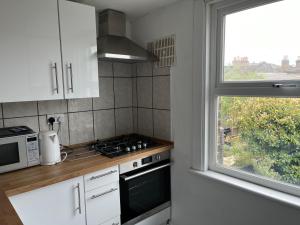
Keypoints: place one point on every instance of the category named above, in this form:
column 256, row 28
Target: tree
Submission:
column 269, row 127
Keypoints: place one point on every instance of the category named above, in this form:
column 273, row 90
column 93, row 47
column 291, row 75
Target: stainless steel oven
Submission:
column 144, row 187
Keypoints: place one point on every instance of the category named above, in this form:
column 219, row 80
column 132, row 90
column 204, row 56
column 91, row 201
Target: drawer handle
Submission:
column 103, row 175
column 115, row 224
column 104, row 193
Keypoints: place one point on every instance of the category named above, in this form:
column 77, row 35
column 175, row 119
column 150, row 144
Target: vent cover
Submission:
column 164, row 49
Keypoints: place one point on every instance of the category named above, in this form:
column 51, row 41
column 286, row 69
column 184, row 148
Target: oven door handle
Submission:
column 126, row 178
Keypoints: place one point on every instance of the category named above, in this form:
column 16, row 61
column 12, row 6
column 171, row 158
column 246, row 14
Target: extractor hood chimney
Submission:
column 112, row 43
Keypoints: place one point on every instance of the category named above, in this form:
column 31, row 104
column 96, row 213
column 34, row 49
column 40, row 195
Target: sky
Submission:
column 266, row 33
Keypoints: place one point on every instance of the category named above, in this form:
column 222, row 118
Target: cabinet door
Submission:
column 102, row 204
column 114, row 221
column 29, row 50
column 59, row 204
column 79, row 49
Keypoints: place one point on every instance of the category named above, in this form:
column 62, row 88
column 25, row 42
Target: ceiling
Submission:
column 133, row 8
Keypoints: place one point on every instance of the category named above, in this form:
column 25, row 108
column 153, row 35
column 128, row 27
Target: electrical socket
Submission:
column 59, row 118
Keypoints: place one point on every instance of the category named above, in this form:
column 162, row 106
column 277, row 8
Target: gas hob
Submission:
column 123, row 145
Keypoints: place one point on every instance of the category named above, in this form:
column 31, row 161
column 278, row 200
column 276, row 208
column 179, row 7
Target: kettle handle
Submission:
column 65, row 156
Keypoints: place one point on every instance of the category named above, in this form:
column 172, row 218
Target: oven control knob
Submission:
column 157, row 157
column 135, row 164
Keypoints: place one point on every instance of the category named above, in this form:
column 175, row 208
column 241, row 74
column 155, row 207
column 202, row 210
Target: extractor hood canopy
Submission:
column 112, row 43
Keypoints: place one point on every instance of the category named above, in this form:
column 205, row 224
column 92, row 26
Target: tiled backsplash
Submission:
column 152, row 107
column 133, row 98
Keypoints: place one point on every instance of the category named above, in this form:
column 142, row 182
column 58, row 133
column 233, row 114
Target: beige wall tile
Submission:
column 145, row 122
column 63, row 131
column 104, row 124
column 123, row 92
column 135, row 120
column 161, row 71
column 81, row 127
column 19, row 109
column 122, row 70
column 106, row 99
column 105, row 69
column 134, row 69
column 50, row 107
column 82, row 104
column 144, row 69
column 162, row 124
column 134, row 92
column 144, row 92
column 124, row 121
column 31, row 122
column 161, row 92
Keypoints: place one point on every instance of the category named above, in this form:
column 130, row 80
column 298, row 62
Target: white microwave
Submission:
column 19, row 148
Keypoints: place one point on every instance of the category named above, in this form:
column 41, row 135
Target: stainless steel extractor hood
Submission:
column 112, row 43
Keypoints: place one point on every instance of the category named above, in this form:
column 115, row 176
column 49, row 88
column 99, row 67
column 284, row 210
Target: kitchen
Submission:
column 152, row 99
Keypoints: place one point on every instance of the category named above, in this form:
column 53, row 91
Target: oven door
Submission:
column 144, row 192
column 13, row 153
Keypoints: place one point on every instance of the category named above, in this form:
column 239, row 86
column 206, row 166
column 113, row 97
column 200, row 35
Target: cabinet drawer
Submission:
column 114, row 221
column 102, row 204
column 101, row 178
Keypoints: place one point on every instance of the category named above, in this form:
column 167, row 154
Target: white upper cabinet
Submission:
column 79, row 49
column 31, row 56
column 29, row 51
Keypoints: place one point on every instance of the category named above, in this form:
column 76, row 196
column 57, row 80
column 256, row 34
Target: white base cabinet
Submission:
column 102, row 204
column 93, row 199
column 58, row 204
column 102, row 196
column 114, row 221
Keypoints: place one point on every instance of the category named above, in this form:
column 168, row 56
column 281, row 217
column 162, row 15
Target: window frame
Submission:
column 215, row 22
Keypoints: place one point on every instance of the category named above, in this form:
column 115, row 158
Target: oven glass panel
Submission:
column 9, row 154
column 144, row 193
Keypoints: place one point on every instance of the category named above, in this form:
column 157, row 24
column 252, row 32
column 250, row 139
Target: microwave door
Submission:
column 13, row 153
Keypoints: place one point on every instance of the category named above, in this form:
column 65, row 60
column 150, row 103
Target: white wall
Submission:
column 197, row 200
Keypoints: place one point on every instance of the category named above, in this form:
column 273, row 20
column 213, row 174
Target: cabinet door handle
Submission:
column 54, row 66
column 115, row 224
column 104, row 193
column 103, row 175
column 70, row 68
column 79, row 199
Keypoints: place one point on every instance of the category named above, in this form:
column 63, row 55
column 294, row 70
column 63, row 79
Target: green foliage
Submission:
column 269, row 135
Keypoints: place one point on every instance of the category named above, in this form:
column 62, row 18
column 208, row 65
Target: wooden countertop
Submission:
column 28, row 179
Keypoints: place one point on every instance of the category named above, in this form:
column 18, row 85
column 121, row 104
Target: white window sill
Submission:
column 250, row 187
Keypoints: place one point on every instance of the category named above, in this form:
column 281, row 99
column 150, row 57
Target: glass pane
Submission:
column 262, row 43
column 9, row 154
column 260, row 135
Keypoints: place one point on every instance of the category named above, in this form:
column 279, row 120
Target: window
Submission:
column 254, row 94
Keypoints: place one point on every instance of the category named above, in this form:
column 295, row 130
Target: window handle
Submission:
column 283, row 85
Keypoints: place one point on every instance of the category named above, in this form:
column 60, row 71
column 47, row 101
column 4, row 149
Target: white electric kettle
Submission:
column 50, row 148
